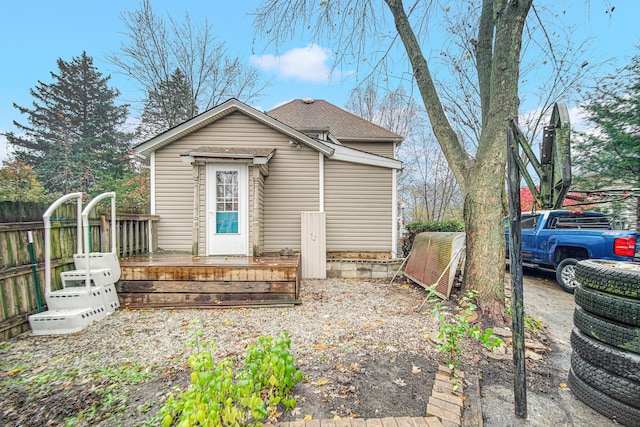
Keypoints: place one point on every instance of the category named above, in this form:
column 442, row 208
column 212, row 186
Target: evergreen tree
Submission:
column 610, row 154
column 612, row 150
column 73, row 137
column 168, row 106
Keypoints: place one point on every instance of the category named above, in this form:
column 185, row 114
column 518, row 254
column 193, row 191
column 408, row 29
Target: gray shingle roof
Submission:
column 308, row 115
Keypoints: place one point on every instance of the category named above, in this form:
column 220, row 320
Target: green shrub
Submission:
column 417, row 227
column 218, row 397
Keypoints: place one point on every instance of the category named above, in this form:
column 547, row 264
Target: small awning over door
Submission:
column 255, row 155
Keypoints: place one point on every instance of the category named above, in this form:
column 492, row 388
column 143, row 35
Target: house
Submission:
column 235, row 181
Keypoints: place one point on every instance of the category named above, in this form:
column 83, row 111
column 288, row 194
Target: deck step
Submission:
column 58, row 322
column 98, row 277
column 75, row 298
column 98, row 261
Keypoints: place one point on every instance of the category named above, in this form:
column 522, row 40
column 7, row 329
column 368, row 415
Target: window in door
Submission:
column 227, row 202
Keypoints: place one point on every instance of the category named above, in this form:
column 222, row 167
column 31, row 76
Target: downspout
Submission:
column 394, row 214
column 152, row 197
column 321, row 181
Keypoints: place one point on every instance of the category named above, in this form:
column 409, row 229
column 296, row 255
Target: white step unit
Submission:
column 88, row 292
column 104, row 271
column 59, row 322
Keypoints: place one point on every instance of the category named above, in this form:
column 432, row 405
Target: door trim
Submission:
column 240, row 241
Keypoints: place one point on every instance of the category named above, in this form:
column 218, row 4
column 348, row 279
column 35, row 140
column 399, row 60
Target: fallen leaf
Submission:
column 337, row 417
column 319, row 346
column 353, row 415
column 308, row 417
column 322, row 382
column 14, row 371
column 415, row 370
column 563, row 385
column 400, row 382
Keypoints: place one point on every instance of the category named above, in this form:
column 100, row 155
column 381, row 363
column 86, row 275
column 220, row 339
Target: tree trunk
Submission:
column 485, row 263
column 482, row 178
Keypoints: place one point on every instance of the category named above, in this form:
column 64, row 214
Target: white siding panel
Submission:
column 358, row 203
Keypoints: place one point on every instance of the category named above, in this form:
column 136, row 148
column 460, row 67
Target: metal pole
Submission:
column 515, row 257
column 36, row 282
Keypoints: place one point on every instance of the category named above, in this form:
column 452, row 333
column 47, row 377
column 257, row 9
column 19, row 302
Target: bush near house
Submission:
column 417, row 227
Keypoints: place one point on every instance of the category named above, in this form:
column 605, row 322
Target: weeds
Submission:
column 454, row 328
column 218, row 397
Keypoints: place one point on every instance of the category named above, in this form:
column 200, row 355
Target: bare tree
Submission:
column 155, row 50
column 351, row 24
column 426, row 184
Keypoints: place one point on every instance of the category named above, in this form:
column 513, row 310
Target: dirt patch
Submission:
column 360, row 344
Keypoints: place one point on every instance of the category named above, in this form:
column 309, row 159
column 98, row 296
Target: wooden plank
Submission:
column 297, row 423
column 343, row 422
column 442, row 413
column 374, row 422
column 420, row 422
column 434, row 422
column 472, row 416
column 327, row 423
column 203, row 298
column 445, row 387
column 163, row 286
column 151, row 301
column 358, row 422
column 389, row 422
column 313, row 423
column 404, row 422
column 447, row 423
column 447, row 406
column 448, row 397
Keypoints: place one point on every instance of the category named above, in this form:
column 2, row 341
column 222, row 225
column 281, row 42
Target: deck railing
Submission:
column 135, row 234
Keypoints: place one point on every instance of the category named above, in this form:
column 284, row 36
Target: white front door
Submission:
column 227, row 215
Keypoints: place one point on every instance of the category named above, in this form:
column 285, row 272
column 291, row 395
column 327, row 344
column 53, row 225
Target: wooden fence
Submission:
column 20, row 275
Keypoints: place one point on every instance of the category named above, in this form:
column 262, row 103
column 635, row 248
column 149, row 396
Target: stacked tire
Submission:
column 605, row 361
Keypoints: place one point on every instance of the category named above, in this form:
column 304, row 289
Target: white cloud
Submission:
column 578, row 119
column 308, row 64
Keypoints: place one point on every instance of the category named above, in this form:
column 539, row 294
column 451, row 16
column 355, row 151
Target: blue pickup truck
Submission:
column 558, row 239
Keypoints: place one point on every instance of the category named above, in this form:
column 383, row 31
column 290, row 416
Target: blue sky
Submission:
column 34, row 33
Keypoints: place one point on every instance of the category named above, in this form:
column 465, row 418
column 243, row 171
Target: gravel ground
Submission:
column 369, row 326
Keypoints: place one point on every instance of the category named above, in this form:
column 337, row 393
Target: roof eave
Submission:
column 218, row 112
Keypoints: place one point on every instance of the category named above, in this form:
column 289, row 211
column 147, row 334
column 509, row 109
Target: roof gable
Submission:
column 319, row 115
column 327, row 148
column 218, row 112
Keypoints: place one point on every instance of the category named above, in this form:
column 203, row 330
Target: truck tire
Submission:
column 605, row 277
column 566, row 274
column 615, row 334
column 607, row 406
column 621, row 389
column 614, row 360
column 616, row 308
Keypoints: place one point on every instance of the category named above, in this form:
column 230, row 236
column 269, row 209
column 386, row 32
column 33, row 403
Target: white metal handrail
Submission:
column 46, row 217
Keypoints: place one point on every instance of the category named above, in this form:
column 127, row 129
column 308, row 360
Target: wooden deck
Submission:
column 184, row 281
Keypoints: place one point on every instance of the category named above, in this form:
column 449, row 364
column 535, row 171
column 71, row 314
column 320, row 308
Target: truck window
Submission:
column 528, row 222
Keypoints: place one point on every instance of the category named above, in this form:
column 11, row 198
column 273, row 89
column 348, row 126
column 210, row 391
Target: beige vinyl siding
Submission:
column 291, row 187
column 358, row 204
column 174, row 199
column 379, row 148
